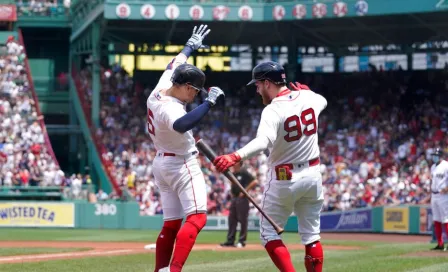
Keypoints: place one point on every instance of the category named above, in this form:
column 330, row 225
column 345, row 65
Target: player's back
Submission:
column 162, row 112
column 297, row 113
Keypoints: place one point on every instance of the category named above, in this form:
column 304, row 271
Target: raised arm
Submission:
column 191, row 119
column 194, row 43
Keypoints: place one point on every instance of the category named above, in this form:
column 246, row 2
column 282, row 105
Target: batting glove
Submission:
column 198, row 37
column 213, row 94
column 224, row 162
column 297, row 86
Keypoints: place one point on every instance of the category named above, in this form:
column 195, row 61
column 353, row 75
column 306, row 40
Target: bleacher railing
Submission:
column 43, row 192
column 86, row 107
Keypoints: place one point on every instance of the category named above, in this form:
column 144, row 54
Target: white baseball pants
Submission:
column 181, row 184
column 439, row 206
column 302, row 194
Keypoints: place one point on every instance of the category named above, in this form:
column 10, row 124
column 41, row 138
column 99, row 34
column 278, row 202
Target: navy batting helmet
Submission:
column 189, row 74
column 269, row 70
column 437, row 151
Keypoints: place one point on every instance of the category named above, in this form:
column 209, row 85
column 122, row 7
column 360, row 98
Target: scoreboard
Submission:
column 311, row 59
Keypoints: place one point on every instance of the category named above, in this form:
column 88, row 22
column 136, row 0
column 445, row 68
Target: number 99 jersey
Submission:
column 290, row 123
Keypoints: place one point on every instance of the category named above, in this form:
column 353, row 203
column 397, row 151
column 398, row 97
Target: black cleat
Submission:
column 439, row 247
column 228, row 244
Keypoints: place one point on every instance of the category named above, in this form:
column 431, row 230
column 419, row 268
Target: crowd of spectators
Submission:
column 375, row 136
column 43, row 7
column 25, row 158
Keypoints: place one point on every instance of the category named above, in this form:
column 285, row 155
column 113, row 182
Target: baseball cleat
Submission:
column 439, row 247
column 228, row 244
column 165, row 269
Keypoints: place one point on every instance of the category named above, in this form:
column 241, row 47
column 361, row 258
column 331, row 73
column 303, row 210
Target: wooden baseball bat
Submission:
column 211, row 155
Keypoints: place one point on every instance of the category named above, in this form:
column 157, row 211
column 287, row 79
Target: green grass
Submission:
column 373, row 257
column 376, row 258
column 14, row 251
column 108, row 235
column 206, row 237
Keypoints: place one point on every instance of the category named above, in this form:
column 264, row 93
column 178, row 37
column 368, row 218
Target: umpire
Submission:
column 239, row 207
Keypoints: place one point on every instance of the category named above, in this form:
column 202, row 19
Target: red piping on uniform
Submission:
column 288, row 100
column 191, row 180
column 264, row 201
column 284, row 92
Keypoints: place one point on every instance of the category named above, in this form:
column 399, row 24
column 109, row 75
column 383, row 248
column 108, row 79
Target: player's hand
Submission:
column 297, row 86
column 241, row 195
column 213, row 94
column 198, row 37
column 224, row 162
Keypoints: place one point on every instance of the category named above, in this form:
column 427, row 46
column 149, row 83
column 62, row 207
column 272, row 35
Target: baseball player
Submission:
column 439, row 196
column 288, row 127
column 175, row 167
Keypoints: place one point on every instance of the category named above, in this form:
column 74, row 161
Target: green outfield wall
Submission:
column 126, row 215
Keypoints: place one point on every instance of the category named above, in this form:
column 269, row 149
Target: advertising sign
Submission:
column 24, row 214
column 357, row 220
column 396, row 219
column 8, row 13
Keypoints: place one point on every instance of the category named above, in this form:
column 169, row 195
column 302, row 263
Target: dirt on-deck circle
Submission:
column 126, row 248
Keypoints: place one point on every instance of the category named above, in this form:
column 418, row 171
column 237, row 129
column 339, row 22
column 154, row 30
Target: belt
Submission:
column 311, row 162
column 283, row 171
column 167, row 154
column 435, row 192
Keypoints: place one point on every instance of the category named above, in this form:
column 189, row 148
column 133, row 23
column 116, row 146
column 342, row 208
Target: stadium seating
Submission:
column 49, row 8
column 29, row 168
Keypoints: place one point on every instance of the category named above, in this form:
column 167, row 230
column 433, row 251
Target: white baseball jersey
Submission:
column 179, row 178
column 163, row 111
column 439, row 176
column 290, row 123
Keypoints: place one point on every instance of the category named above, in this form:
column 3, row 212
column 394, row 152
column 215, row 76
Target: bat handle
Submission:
column 279, row 230
column 211, row 155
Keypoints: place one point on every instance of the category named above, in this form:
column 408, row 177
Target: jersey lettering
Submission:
column 150, row 124
column 311, row 121
column 293, row 127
